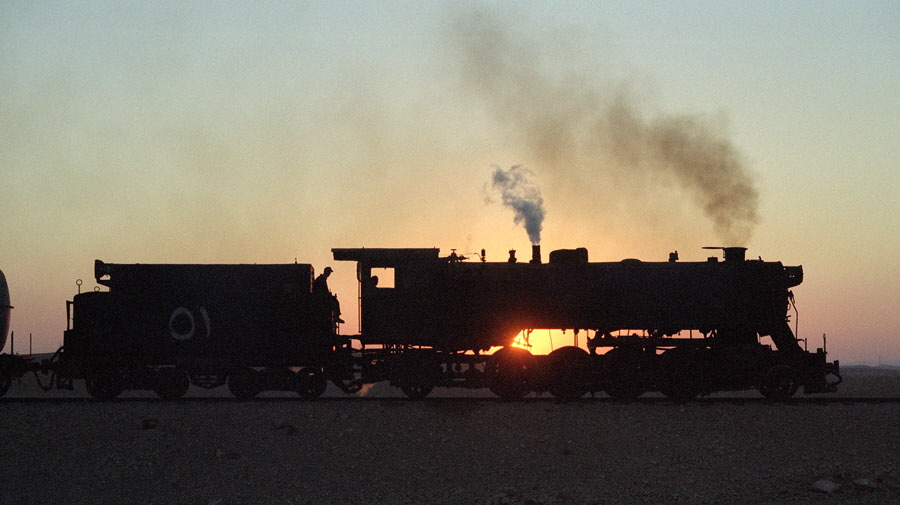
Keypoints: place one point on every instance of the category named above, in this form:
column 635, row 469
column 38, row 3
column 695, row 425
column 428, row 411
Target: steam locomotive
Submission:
column 681, row 328
column 432, row 325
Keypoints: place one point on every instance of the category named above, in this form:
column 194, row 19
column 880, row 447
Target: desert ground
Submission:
column 453, row 448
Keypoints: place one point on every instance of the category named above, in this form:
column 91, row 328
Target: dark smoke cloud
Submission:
column 519, row 192
column 587, row 132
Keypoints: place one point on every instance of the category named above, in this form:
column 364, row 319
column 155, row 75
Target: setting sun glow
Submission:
column 521, row 340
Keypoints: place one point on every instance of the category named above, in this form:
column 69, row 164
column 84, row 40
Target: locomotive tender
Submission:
column 164, row 327
column 432, row 320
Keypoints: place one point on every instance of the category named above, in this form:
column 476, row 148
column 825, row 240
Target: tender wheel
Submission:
column 569, row 372
column 510, row 372
column 778, row 383
column 626, row 373
column 244, row 383
column 173, row 383
column 416, row 391
column 5, row 381
column 311, row 383
column 104, row 383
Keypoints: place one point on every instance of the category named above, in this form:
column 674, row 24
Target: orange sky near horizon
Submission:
column 231, row 132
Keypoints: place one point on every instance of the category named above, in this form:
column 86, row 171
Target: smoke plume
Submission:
column 585, row 132
column 519, row 192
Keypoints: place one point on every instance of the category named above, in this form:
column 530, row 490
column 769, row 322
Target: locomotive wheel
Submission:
column 417, row 373
column 311, row 383
column 244, row 383
column 5, row 381
column 510, row 372
column 173, row 383
column 682, row 375
column 778, row 383
column 626, row 370
column 569, row 369
column 104, row 383
column 683, row 383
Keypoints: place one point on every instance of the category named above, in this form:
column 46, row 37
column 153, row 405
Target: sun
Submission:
column 521, row 340
column 544, row 341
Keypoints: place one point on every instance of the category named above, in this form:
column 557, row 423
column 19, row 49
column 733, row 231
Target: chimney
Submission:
column 536, row 254
column 734, row 254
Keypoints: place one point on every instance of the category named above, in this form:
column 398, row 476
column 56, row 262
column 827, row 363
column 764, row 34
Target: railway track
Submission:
column 468, row 400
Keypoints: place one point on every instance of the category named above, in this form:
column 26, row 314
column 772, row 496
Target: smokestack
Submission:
column 536, row 254
column 734, row 254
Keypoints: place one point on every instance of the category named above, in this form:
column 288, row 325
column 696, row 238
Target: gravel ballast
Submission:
column 452, row 450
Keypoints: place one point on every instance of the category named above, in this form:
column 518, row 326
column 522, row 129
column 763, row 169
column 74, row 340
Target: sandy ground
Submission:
column 479, row 450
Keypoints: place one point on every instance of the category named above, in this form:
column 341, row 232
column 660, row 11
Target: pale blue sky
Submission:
column 268, row 131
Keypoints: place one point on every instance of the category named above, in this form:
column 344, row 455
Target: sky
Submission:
column 269, row 132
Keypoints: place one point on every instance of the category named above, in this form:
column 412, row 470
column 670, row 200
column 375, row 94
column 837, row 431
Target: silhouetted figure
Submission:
column 320, row 285
column 320, row 289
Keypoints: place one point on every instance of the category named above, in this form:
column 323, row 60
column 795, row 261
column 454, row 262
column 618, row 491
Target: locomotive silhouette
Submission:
column 681, row 328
